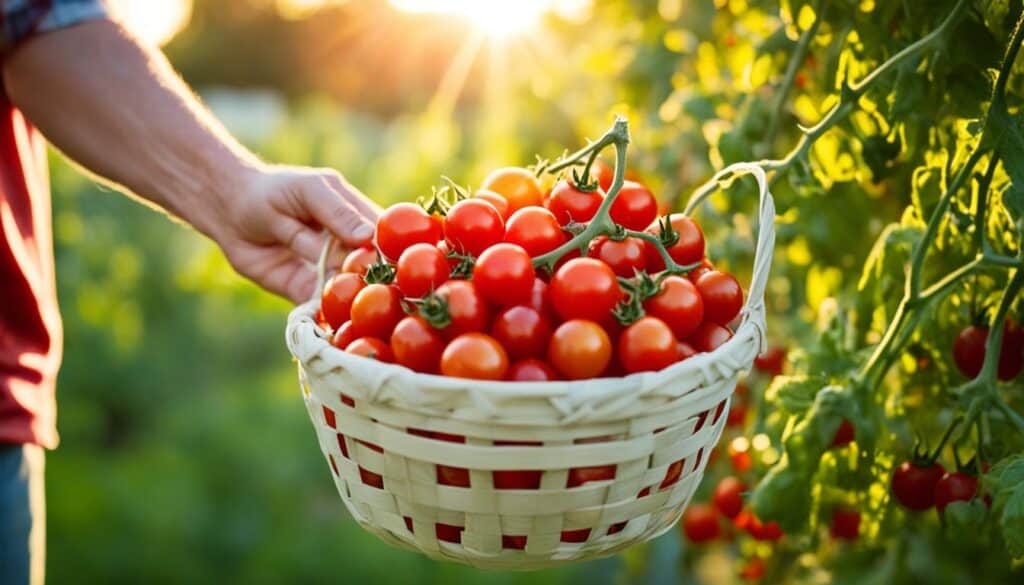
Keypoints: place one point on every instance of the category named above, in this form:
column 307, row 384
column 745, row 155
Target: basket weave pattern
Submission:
column 523, row 475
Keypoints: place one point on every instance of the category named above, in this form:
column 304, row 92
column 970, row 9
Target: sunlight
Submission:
column 155, row 21
column 498, row 18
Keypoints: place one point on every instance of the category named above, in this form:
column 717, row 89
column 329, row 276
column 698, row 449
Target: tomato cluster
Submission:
column 451, row 288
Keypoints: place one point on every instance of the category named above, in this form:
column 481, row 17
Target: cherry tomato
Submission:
column 728, row 496
column 969, row 350
column 684, row 351
column 647, row 346
column 499, row 202
column 517, row 479
column 376, row 310
column 626, row 257
column 913, row 486
column 536, row 230
column 771, row 361
column 695, row 274
column 700, row 523
column 753, row 569
column 1011, row 356
column 359, row 260
column 476, row 356
column 472, row 226
column 585, row 288
column 371, row 347
column 688, row 248
column 845, row 524
column 417, row 345
column 604, row 174
column 844, row 434
column 955, row 487
column 522, row 331
column 448, row 532
column 343, row 336
column 504, row 275
column 518, row 186
column 339, row 293
column 530, row 370
column 539, row 298
column 402, row 225
column 568, row 203
column 634, row 207
column 579, row 349
column 709, row 336
column 723, row 297
column 763, row 531
column 421, row 269
column 581, row 475
column 466, row 307
column 679, row 305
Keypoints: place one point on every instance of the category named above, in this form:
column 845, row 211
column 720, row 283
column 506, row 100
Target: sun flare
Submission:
column 495, row 18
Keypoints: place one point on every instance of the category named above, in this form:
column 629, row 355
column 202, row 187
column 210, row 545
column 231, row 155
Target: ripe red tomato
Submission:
column 476, row 356
column 371, row 347
column 1011, row 357
column 522, row 331
column 634, row 207
column 844, row 434
column 709, row 336
column 695, row 274
column 531, row 370
column 518, row 186
column 913, row 486
column 417, row 345
column 700, row 523
column 763, row 531
column 539, row 298
column 421, row 269
column 969, row 350
column 688, row 249
column 626, row 257
column 728, row 496
column 647, row 346
column 339, row 293
column 359, row 260
column 771, row 361
column 679, row 305
column 448, row 532
column 753, row 569
column 402, row 225
column 568, row 203
column 536, row 230
column 845, row 524
column 472, row 226
column 376, row 310
column 343, row 336
column 685, row 351
column 499, row 202
column 955, row 487
column 723, row 297
column 581, row 475
column 466, row 307
column 579, row 349
column 585, row 288
column 504, row 275
column 604, row 173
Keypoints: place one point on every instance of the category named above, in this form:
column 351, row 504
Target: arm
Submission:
column 118, row 109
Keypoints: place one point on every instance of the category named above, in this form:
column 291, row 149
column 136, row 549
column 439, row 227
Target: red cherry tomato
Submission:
column 845, row 434
column 700, row 523
column 522, row 331
column 1011, row 356
column 634, row 207
column 845, row 524
column 913, row 486
column 955, row 487
column 417, row 345
column 376, row 310
column 504, row 275
column 403, row 225
column 568, row 203
column 604, row 174
column 753, row 569
column 969, row 351
column 343, row 336
column 625, row 258
column 684, row 351
column 539, row 298
column 472, row 226
column 371, row 347
column 647, row 346
column 679, row 305
column 359, row 260
column 585, row 288
column 579, row 349
column 531, row 370
column 723, row 297
column 518, row 186
column 695, row 274
column 466, row 307
column 582, row 475
column 728, row 496
column 688, row 248
column 499, row 202
column 771, row 361
column 709, row 336
column 339, row 293
column 763, row 531
column 476, row 356
column 421, row 269
column 536, row 230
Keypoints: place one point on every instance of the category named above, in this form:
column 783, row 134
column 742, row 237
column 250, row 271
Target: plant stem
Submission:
column 795, row 60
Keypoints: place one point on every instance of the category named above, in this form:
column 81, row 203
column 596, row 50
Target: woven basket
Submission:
column 494, row 474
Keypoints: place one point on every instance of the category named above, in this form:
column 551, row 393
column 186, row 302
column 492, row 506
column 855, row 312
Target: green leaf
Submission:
column 793, row 394
column 1005, row 481
column 784, row 496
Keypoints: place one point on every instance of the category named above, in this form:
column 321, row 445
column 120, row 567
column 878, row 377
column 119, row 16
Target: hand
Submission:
column 273, row 230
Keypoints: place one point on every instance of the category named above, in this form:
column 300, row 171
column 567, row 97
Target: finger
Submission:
column 361, row 202
column 300, row 286
column 333, row 211
column 300, row 239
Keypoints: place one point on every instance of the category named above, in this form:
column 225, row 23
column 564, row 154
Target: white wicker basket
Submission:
column 655, row 429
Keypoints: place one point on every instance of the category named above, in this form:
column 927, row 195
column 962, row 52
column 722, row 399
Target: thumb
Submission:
column 334, row 212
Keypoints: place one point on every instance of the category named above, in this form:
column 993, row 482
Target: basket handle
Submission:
column 321, row 264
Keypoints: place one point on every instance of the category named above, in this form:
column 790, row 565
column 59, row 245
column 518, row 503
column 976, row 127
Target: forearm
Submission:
column 119, row 110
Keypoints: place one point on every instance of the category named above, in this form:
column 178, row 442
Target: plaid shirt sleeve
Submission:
column 20, row 19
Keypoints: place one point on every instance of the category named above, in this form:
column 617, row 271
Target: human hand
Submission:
column 272, row 231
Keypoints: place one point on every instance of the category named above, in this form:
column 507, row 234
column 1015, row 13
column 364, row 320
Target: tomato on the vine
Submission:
column 522, row 331
column 845, row 434
column 709, row 336
column 421, row 268
column 376, row 310
column 531, row 370
column 753, row 570
column 700, row 523
column 1011, row 357
column 728, row 496
column 625, row 257
column 771, row 361
column 338, row 296
column 913, row 485
column 466, row 308
column 536, row 230
column 585, row 288
column 371, row 347
column 359, row 260
column 499, row 202
column 955, row 487
column 570, row 203
column 634, row 207
column 845, row 524
column 403, row 225
column 679, row 305
column 695, row 274
column 647, row 346
column 518, row 186
column 688, row 247
column 603, row 173
column 472, row 226
column 969, row 350
column 722, row 295
column 417, row 345
column 476, row 356
column 763, row 531
column 579, row 349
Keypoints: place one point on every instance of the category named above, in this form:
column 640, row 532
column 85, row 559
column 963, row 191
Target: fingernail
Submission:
column 362, row 232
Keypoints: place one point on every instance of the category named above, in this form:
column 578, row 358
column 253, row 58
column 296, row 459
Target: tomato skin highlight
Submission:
column 845, row 524
column 679, row 305
column 722, row 295
column 700, row 523
column 531, row 370
column 647, row 345
column 585, row 288
column 536, row 230
column 728, row 496
column 496, row 200
column 504, row 275
column 913, row 486
column 709, row 336
column 403, row 225
column 476, row 356
column 421, row 269
column 517, row 185
column 635, row 207
column 339, row 294
column 417, row 345
column 371, row 347
column 522, row 331
column 376, row 310
column 358, row 260
column 468, row 309
column 540, row 300
column 955, row 487
column 579, row 349
column 625, row 258
column 472, row 226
